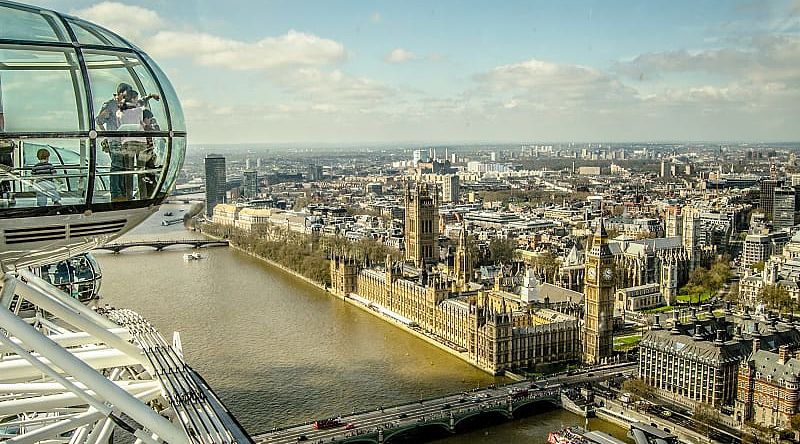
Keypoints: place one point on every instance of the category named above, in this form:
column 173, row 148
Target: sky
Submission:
column 338, row 72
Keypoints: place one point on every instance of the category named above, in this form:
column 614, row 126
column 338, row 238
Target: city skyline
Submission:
column 306, row 72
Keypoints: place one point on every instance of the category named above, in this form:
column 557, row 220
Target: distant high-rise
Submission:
column 250, row 183
column 785, row 208
column 768, row 196
column 314, row 172
column 247, row 163
column 215, row 182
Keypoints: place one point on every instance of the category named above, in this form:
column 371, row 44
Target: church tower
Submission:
column 599, row 299
column 421, row 229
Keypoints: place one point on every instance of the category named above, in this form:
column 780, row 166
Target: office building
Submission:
column 698, row 361
column 215, row 182
column 785, row 208
column 250, row 184
column 768, row 196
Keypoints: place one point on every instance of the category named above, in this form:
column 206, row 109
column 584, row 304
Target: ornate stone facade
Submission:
column 768, row 388
column 598, row 310
column 495, row 330
column 421, row 223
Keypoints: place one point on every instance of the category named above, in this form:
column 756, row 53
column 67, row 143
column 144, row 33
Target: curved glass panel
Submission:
column 175, row 164
column 91, row 34
column 127, row 170
column 21, row 24
column 41, row 91
column 86, row 35
column 175, row 110
column 124, row 92
column 43, row 172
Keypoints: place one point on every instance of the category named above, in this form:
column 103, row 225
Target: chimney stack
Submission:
column 756, row 338
column 720, row 340
column 783, row 354
column 698, row 331
column 675, row 321
column 656, row 323
column 738, row 335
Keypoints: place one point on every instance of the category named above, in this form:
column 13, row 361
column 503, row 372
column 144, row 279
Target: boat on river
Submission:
column 192, row 256
column 567, row 435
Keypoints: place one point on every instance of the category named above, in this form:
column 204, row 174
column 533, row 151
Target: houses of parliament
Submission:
column 505, row 327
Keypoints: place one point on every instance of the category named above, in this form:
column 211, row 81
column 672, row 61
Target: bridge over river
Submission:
column 159, row 245
column 428, row 418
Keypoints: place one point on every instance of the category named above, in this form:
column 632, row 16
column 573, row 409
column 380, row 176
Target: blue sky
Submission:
column 468, row 71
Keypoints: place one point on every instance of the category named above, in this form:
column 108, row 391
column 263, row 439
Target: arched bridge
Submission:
column 162, row 244
column 426, row 420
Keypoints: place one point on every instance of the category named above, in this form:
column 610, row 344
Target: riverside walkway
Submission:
column 446, row 415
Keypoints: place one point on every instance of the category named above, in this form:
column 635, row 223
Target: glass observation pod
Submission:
column 79, row 277
column 92, row 136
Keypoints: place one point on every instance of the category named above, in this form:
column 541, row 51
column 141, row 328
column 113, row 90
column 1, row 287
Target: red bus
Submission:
column 329, row 423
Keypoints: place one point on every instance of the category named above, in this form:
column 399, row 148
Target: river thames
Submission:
column 279, row 351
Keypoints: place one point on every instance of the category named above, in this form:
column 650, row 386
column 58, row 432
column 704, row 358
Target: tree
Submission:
column 733, row 294
column 502, row 250
column 706, row 415
column 638, row 388
column 775, row 296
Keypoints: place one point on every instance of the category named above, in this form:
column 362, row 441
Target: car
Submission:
column 402, row 415
column 349, row 426
column 446, row 406
column 302, row 438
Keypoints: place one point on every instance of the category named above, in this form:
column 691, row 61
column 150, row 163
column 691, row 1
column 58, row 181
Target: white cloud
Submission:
column 131, row 22
column 376, row 17
column 146, row 28
column 335, row 87
column 557, row 86
column 765, row 57
column 291, row 49
column 400, row 55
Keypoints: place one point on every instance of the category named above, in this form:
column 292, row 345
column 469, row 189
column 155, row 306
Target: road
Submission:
column 409, row 414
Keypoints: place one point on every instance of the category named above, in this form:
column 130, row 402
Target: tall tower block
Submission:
column 599, row 299
column 421, row 228
column 215, row 182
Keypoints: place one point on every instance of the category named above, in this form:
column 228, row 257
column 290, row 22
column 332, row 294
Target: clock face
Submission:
column 608, row 274
column 592, row 273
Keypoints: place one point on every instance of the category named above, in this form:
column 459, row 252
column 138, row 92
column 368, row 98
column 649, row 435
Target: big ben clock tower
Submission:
column 598, row 299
